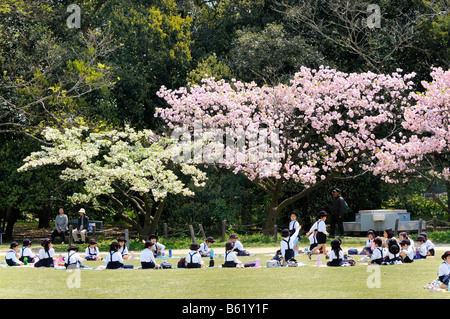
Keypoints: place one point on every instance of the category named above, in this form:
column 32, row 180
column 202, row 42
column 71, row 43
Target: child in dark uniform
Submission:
column 11, row 256
column 27, row 253
column 231, row 259
column 46, row 254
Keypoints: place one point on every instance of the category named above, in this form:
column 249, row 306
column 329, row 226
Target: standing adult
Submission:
column 338, row 210
column 82, row 227
column 61, row 222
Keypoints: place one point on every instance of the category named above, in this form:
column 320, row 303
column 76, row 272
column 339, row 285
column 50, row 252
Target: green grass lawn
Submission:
column 400, row 281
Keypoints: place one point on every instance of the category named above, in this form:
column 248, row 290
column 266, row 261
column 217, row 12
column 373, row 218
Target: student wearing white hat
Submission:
column 82, row 227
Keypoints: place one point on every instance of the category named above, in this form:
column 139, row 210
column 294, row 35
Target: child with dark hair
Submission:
column 404, row 235
column 407, row 253
column 444, row 270
column 193, row 258
column 336, row 254
column 368, row 249
column 73, row 259
column 11, row 256
column 27, row 253
column 293, row 225
column 393, row 256
column 46, row 254
column 92, row 252
column 322, row 233
column 378, row 253
column 429, row 243
column 422, row 249
column 231, row 259
column 288, row 243
column 388, row 234
column 114, row 258
column 147, row 256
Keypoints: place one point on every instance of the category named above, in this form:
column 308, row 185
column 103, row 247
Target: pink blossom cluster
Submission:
column 329, row 122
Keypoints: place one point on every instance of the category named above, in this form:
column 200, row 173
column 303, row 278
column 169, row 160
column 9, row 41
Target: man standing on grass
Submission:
column 338, row 210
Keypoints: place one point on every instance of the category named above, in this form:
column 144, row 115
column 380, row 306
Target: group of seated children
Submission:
column 394, row 251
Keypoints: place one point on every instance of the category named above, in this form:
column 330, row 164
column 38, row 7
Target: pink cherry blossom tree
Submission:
column 424, row 150
column 328, row 124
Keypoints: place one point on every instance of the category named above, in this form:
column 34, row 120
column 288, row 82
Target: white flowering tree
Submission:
column 120, row 170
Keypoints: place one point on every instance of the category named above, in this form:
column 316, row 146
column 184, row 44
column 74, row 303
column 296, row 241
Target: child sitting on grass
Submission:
column 27, row 253
column 444, row 270
column 407, row 253
column 92, row 251
column 422, row 249
column 147, row 257
column 336, row 254
column 193, row 258
column 46, row 254
column 11, row 256
column 377, row 257
column 231, row 259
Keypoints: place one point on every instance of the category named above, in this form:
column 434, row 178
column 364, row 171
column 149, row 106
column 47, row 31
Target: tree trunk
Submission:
column 12, row 214
column 44, row 216
column 272, row 214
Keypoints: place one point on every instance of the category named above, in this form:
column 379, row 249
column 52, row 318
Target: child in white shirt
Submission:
column 123, row 248
column 407, row 253
column 193, row 258
column 46, row 254
column 429, row 243
column 26, row 252
column 11, row 256
column 92, row 252
column 321, row 235
column 336, row 254
column 158, row 248
column 204, row 249
column 444, row 270
column 293, row 224
column 147, row 257
column 378, row 253
column 73, row 259
column 422, row 249
column 231, row 259
column 287, row 244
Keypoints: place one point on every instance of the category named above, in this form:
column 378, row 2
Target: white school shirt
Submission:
column 312, row 239
column 333, row 255
column 369, row 242
column 26, row 252
column 147, row 256
column 293, row 224
column 160, row 247
column 123, row 250
column 429, row 244
column 409, row 252
column 116, row 256
column 290, row 240
column 320, row 226
column 423, row 250
column 444, row 269
column 43, row 254
column 204, row 249
column 74, row 258
column 92, row 251
column 237, row 244
column 378, row 253
column 194, row 257
column 12, row 255
column 231, row 256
